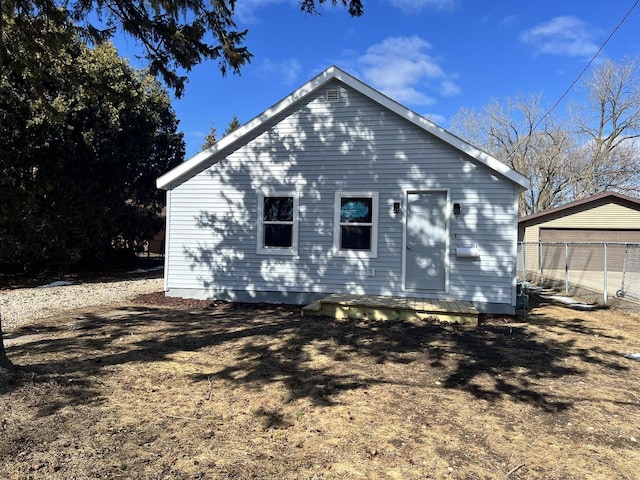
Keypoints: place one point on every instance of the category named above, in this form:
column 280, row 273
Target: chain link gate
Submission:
column 630, row 286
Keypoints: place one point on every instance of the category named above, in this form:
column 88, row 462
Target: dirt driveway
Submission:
column 222, row 391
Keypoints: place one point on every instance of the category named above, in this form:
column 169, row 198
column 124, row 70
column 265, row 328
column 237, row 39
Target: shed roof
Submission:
column 204, row 159
column 580, row 205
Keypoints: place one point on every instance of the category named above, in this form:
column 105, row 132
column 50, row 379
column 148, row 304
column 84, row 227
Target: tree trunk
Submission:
column 8, row 371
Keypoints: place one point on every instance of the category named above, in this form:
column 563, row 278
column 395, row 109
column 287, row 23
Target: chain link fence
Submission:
column 611, row 270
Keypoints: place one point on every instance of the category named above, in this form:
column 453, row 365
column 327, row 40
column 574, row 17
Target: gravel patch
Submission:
column 23, row 306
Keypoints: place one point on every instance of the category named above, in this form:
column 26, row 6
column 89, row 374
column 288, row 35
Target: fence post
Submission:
column 605, row 273
column 566, row 268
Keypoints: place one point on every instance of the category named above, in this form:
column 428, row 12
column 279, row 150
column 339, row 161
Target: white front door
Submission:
column 426, row 241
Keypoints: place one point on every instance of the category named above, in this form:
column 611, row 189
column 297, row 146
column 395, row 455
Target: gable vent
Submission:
column 333, row 95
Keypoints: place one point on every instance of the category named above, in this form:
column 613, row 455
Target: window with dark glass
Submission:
column 356, row 223
column 277, row 221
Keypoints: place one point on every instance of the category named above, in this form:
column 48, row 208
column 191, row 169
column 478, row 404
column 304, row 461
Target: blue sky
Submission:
column 433, row 56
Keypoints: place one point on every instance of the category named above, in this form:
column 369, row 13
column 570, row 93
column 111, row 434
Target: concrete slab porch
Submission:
column 378, row 307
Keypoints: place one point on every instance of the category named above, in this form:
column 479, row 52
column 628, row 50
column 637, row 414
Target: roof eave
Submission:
column 613, row 196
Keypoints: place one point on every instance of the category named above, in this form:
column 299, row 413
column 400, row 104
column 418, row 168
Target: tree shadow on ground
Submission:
column 274, row 344
column 567, row 327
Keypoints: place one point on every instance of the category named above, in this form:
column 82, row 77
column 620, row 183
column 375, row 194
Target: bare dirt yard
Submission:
column 152, row 389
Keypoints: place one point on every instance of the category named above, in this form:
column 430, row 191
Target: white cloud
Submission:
column 412, row 6
column 566, row 35
column 401, row 68
column 196, row 133
column 508, row 21
column 493, row 19
column 449, row 89
column 246, row 10
column 287, row 71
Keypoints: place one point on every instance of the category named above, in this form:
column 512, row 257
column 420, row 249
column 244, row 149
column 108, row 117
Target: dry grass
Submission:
column 239, row 392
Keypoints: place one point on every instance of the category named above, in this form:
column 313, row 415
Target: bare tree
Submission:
column 599, row 151
column 550, row 166
column 608, row 127
column 518, row 135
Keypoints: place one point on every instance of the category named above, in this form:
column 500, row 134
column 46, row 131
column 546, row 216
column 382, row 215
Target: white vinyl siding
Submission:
column 608, row 216
column 318, row 149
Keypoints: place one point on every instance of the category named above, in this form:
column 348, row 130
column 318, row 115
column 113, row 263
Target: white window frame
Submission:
column 337, row 251
column 260, row 248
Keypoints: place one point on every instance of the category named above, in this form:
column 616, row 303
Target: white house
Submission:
column 339, row 189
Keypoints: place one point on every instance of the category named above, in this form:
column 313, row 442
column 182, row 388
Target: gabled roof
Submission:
column 203, row 159
column 581, row 205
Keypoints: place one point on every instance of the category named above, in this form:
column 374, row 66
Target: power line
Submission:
column 555, row 105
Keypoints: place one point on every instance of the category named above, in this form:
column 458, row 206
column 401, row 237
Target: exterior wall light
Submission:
column 396, row 208
column 457, row 208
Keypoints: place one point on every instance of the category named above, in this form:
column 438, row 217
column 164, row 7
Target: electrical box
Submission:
column 467, row 252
